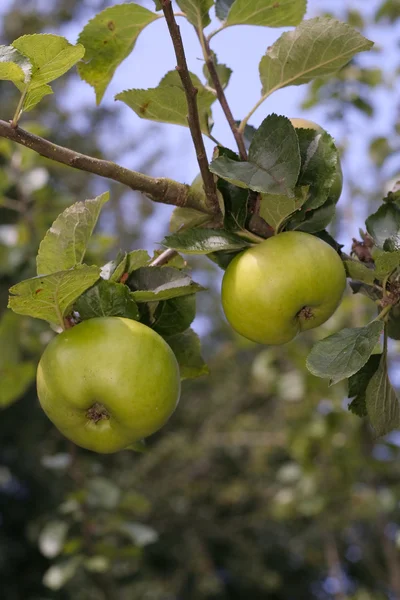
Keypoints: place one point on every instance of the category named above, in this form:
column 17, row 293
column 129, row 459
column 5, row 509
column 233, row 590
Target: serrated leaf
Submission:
column 167, row 102
column 64, row 244
column 51, row 56
column 175, row 315
column 187, row 218
column 273, row 164
column 224, row 73
column 204, row 241
column 235, row 198
column 358, row 384
column 314, row 221
column 317, row 47
column 108, row 39
column 14, row 66
column 342, row 354
column 359, row 271
column 267, row 12
column 15, row 380
column 381, row 401
column 51, row 297
column 319, row 164
column 151, row 284
column 196, row 11
column 186, row 347
column 275, row 209
column 137, row 259
column 107, row 299
column 385, row 225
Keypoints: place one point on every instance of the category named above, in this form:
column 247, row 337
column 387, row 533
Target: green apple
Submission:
column 108, row 382
column 286, row 284
column 337, row 185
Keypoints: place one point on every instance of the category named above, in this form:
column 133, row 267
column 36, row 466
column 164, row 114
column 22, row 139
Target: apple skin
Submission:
column 337, row 185
column 109, row 363
column 287, row 284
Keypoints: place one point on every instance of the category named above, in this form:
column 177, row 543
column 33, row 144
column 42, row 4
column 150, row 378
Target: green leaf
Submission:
column 150, row 284
column 359, row 271
column 385, row 225
column 275, row 209
column 108, row 39
column 224, row 73
column 137, row 259
column 15, row 380
column 358, row 384
column 167, row 102
column 187, row 218
column 393, row 323
column 14, row 66
column 158, row 4
column 390, row 10
column 386, row 262
column 317, row 47
column 274, row 160
column 342, row 354
column 186, row 347
column 196, row 11
column 381, row 401
column 51, row 297
column 51, row 56
column 319, row 164
column 267, row 12
column 204, row 241
column 175, row 315
column 107, row 299
column 314, row 221
column 234, row 198
column 64, row 244
column 222, row 259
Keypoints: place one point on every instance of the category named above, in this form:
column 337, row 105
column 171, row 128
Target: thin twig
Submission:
column 163, row 258
column 193, row 112
column 158, row 189
column 209, row 59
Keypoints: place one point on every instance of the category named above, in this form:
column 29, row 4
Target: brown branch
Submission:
column 158, row 189
column 193, row 112
column 209, row 58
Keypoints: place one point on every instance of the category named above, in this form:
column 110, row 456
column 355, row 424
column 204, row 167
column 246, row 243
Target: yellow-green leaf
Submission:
column 269, row 13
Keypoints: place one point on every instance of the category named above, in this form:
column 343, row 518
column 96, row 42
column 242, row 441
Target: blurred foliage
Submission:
column 263, row 485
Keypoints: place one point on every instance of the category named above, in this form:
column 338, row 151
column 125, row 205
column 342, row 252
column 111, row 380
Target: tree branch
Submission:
column 164, row 258
column 209, row 58
column 193, row 112
column 158, row 189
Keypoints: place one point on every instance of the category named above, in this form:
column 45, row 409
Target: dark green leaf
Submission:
column 386, row 262
column 381, row 401
column 186, row 347
column 342, row 354
column 204, row 241
column 393, row 323
column 107, row 299
column 316, row 220
column 385, row 225
column 274, row 160
column 222, row 259
column 319, row 164
column 175, row 315
column 150, row 284
column 358, row 384
column 158, row 4
column 276, row 209
column 235, row 198
column 187, row 218
column 108, row 39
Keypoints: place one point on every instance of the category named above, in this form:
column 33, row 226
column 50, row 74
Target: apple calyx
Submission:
column 97, row 412
column 305, row 314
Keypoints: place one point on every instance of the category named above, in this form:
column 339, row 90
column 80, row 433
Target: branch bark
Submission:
column 158, row 189
column 193, row 112
column 209, row 58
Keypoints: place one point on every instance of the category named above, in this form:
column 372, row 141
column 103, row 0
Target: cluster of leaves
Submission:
column 66, row 290
column 355, row 353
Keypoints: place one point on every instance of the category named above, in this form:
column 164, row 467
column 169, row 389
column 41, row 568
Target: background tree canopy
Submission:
column 263, row 484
